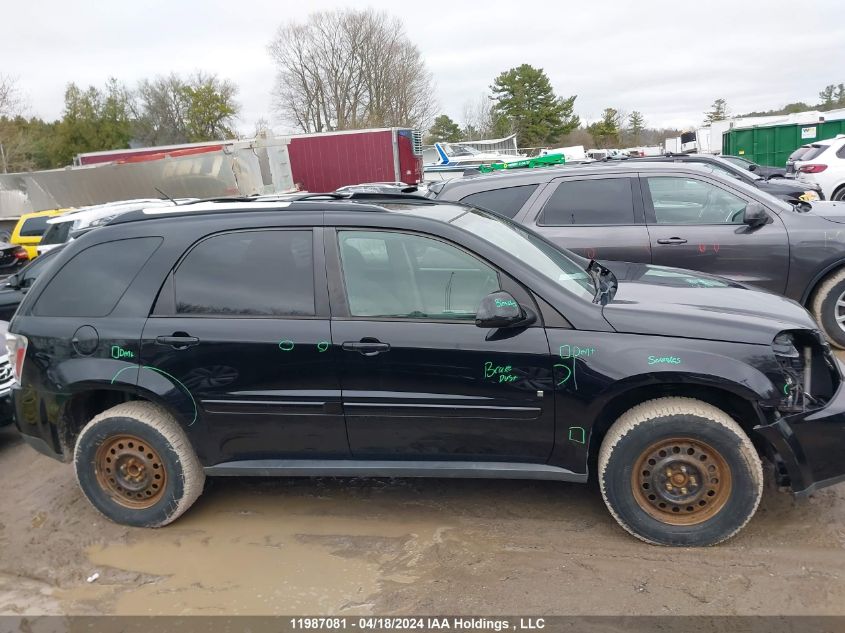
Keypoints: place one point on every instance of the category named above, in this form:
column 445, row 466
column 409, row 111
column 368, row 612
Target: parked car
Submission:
column 793, row 157
column 15, row 286
column 70, row 225
column 30, row 227
column 7, row 380
column 410, row 337
column 12, row 258
column 784, row 188
column 679, row 214
column 764, row 171
column 824, row 166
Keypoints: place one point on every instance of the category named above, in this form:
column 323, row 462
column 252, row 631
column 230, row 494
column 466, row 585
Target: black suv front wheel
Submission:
column 678, row 471
column 136, row 466
column 828, row 308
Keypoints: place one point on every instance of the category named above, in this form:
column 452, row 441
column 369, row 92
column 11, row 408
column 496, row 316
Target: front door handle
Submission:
column 178, row 340
column 672, row 240
column 366, row 347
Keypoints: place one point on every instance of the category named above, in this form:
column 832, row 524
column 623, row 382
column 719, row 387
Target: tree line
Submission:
column 160, row 111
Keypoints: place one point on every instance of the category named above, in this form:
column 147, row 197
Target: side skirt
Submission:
column 368, row 468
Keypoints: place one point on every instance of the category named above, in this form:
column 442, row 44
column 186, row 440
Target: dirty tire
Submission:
column 183, row 475
column 665, row 419
column 823, row 307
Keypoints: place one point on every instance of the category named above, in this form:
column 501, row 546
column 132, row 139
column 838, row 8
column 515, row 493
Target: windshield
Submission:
column 726, row 168
column 550, row 261
column 459, row 150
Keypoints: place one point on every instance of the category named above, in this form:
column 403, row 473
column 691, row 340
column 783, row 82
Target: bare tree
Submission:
column 478, row 117
column 349, row 69
column 12, row 141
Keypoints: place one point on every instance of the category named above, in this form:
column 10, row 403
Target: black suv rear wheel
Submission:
column 678, row 471
column 136, row 466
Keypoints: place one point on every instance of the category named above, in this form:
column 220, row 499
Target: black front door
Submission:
column 241, row 332
column 419, row 380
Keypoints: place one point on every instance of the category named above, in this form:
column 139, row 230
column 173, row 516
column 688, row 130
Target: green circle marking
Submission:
column 322, row 346
column 286, row 345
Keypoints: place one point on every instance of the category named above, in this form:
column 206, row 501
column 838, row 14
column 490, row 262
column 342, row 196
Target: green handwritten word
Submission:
column 502, row 371
column 573, row 351
column 577, row 434
column 286, row 345
column 118, row 352
column 506, row 303
column 322, row 346
column 664, row 360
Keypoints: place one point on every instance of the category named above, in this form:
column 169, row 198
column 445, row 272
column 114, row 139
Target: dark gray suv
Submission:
column 680, row 215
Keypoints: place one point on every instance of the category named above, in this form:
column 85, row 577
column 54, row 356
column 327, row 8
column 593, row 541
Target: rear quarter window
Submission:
column 813, row 152
column 92, row 282
column 507, row 201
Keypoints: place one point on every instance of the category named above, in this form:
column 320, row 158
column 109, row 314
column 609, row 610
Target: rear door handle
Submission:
column 366, row 348
column 672, row 240
column 177, row 340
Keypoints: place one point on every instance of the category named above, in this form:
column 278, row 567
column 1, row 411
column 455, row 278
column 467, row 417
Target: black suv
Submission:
column 687, row 215
column 398, row 336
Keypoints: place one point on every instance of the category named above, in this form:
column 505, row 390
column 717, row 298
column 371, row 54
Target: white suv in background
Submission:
column 824, row 164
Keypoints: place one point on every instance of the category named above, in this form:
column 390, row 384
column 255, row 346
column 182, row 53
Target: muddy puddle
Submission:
column 243, row 551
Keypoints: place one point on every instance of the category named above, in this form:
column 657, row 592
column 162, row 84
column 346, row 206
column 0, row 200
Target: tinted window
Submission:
column 506, row 202
column 599, row 201
column 681, row 200
column 813, row 152
column 34, row 227
column 799, row 153
column 250, row 273
column 29, row 274
column 400, row 275
column 56, row 233
column 840, row 153
column 93, row 281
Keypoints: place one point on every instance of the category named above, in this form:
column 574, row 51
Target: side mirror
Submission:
column 755, row 214
column 752, row 167
column 500, row 310
column 13, row 281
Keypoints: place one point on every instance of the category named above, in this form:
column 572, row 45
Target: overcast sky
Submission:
column 668, row 59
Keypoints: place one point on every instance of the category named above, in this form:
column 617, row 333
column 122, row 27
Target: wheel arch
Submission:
column 818, row 279
column 88, row 399
column 739, row 404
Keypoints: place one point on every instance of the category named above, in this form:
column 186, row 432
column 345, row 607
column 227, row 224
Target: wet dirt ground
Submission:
column 355, row 546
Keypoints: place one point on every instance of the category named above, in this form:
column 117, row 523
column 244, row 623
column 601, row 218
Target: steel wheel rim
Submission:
column 130, row 471
column 681, row 481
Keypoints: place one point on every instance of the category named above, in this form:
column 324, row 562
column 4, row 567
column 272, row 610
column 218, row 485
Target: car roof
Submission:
column 88, row 214
column 408, row 204
column 542, row 174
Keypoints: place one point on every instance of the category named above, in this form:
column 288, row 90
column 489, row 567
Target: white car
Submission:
column 70, row 225
column 824, row 164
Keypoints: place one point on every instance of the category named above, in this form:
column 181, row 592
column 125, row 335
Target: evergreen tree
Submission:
column 445, row 130
column 718, row 111
column 524, row 100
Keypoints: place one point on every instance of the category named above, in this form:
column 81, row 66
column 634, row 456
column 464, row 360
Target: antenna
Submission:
column 165, row 195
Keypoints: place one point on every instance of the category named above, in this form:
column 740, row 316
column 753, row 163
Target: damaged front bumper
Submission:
column 811, row 445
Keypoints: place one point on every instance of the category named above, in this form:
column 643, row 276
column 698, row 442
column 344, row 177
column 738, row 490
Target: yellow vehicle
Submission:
column 31, row 227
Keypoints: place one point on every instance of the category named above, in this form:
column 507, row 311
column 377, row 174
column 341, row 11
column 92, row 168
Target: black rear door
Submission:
column 419, row 379
column 241, row 332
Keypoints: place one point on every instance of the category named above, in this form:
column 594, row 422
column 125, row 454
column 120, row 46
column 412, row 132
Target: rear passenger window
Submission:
column 590, row 202
column 506, row 202
column 34, row 227
column 93, row 281
column 249, row 273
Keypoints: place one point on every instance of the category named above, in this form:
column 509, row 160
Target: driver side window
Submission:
column 683, row 200
column 400, row 275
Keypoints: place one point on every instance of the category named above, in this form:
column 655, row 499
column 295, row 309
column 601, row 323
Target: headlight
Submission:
column 809, row 196
column 784, row 345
